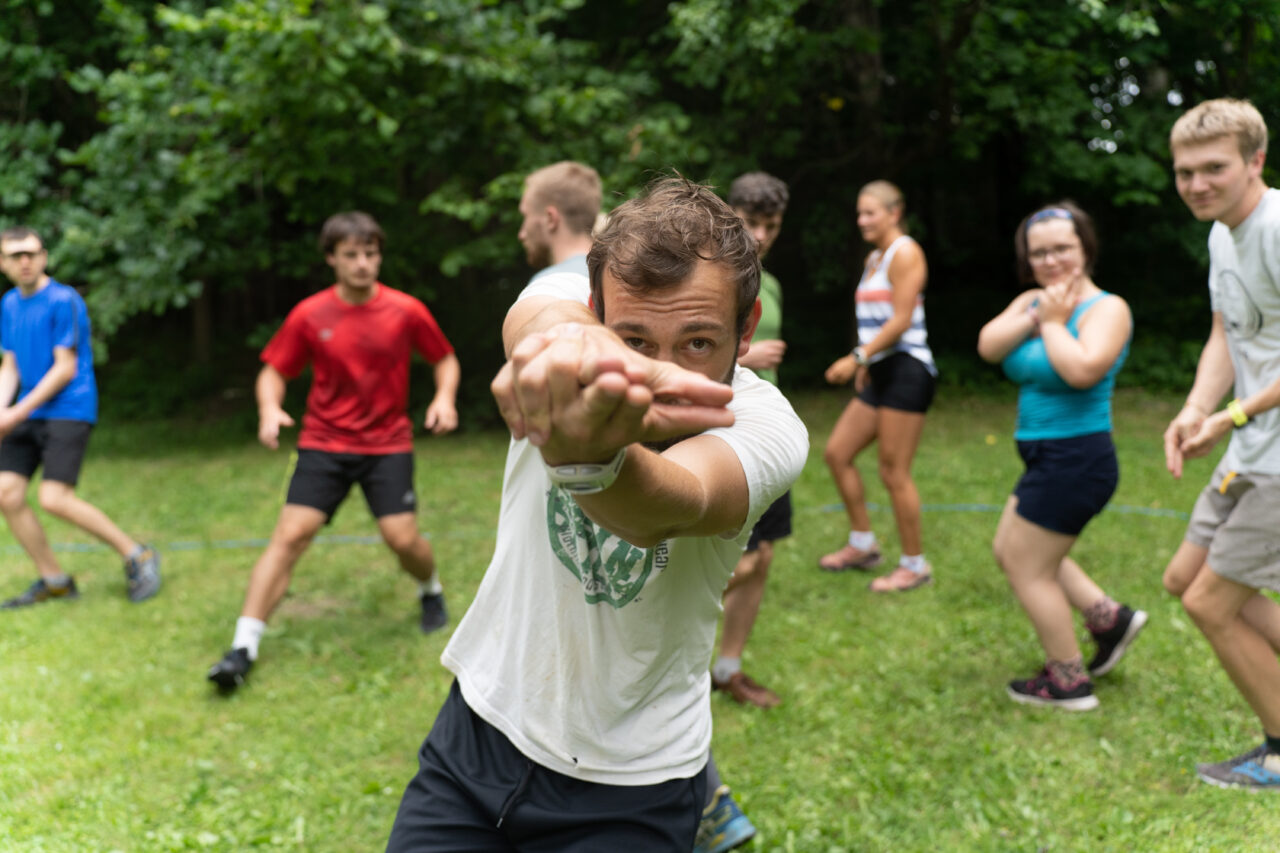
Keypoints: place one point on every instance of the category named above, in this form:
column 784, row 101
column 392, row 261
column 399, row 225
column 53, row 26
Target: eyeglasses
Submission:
column 1041, row 256
column 23, row 256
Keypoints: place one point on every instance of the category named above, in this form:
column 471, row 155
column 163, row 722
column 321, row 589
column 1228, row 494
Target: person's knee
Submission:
column 403, row 539
column 54, row 497
column 1205, row 611
column 13, row 495
column 754, row 565
column 1175, row 580
column 293, row 536
column 835, row 457
column 895, row 475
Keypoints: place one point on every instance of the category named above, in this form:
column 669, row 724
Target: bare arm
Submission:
column 1104, row 331
column 442, row 414
column 1007, row 330
column 59, row 374
column 8, row 379
column 1214, row 377
column 764, row 354
column 696, row 488
column 538, row 314
column 269, row 390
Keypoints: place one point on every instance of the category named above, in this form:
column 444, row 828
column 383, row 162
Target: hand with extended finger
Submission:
column 1182, row 427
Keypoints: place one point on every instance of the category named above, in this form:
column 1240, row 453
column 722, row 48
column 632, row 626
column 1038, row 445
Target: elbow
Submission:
column 1082, row 380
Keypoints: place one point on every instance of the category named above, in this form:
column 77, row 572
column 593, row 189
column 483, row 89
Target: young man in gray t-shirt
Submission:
column 1232, row 548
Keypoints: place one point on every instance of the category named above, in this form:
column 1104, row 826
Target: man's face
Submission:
column 1214, row 179
column 533, row 231
column 23, row 261
column 763, row 227
column 691, row 324
column 355, row 263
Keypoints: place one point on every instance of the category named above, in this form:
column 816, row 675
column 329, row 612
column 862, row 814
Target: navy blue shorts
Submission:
column 774, row 524
column 1068, row 480
column 900, row 382
column 476, row 793
column 321, row 480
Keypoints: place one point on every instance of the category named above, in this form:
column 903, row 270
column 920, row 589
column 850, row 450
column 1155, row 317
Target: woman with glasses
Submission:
column 892, row 369
column 1063, row 343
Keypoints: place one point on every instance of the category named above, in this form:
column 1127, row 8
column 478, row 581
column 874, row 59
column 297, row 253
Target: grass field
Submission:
column 895, row 733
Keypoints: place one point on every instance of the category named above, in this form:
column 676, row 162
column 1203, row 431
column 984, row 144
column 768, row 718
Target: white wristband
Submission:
column 586, row 478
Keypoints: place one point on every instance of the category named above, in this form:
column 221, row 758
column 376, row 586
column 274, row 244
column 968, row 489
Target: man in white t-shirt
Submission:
column 641, row 458
column 1232, row 548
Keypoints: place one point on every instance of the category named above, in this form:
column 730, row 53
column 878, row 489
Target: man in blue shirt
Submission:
column 48, row 406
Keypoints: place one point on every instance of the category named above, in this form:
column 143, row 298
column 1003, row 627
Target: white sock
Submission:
column 725, row 668
column 430, row 587
column 863, row 540
column 915, row 564
column 248, row 634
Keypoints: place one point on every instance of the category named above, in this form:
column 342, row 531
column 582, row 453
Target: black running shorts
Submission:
column 59, row 445
column 775, row 524
column 1068, row 480
column 900, row 382
column 321, row 480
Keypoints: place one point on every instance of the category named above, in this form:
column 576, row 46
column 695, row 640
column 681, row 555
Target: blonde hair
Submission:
column 890, row 196
column 571, row 188
column 1212, row 120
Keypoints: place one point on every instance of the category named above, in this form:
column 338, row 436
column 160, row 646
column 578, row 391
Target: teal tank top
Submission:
column 1047, row 406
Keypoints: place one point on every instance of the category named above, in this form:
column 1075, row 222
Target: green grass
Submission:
column 895, row 733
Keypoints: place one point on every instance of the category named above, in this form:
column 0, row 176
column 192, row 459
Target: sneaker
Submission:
column 142, row 570
column 723, row 826
column 40, row 592
column 1113, row 643
column 849, row 557
column 746, row 691
column 434, row 616
column 902, row 579
column 230, row 672
column 1043, row 690
column 1256, row 770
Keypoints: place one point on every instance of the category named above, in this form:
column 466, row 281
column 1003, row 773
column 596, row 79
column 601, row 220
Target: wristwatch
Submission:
column 587, row 478
column 859, row 356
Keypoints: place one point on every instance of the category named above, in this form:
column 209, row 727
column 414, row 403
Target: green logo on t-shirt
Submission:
column 610, row 569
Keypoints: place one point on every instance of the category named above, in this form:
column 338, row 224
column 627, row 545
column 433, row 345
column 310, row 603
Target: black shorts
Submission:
column 58, row 445
column 900, row 382
column 321, row 480
column 775, row 524
column 1068, row 480
column 476, row 793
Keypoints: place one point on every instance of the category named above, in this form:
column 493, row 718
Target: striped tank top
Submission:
column 874, row 307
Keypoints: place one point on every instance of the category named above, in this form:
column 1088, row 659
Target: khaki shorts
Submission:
column 1237, row 517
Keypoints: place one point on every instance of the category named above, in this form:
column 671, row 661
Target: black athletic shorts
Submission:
column 321, row 480
column 1068, row 480
column 775, row 524
column 476, row 793
column 58, row 445
column 900, row 382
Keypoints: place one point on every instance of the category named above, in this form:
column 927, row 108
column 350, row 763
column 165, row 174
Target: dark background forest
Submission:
column 179, row 158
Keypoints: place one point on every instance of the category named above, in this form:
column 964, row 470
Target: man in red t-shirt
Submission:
column 358, row 336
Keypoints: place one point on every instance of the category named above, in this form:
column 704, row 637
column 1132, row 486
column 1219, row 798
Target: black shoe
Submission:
column 142, row 571
column 434, row 616
column 1113, row 643
column 230, row 672
column 40, row 592
column 1043, row 690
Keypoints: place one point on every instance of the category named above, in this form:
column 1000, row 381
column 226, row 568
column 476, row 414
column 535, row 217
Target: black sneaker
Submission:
column 1256, row 770
column 40, row 592
column 230, row 672
column 434, row 616
column 1043, row 690
column 1113, row 643
column 142, row 571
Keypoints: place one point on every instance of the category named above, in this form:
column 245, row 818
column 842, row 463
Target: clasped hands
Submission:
column 579, row 394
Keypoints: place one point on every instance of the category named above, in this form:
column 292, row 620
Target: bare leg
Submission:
column 899, row 434
column 742, row 599
column 268, row 583
column 854, row 431
column 1259, row 612
column 1079, row 588
column 60, row 499
column 25, row 525
column 400, row 532
column 1214, row 603
column 1031, row 557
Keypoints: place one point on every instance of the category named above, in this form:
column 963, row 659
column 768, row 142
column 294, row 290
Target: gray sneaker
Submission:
column 1256, row 770
column 142, row 570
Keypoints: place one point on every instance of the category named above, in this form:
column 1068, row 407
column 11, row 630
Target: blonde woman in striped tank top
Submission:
column 894, row 375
